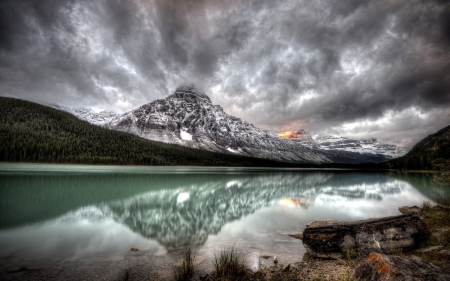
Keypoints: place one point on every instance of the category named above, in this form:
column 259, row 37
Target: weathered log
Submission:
column 379, row 267
column 328, row 239
column 414, row 210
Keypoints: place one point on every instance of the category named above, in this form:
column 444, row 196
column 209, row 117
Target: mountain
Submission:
column 30, row 132
column 422, row 155
column 370, row 150
column 190, row 119
column 300, row 137
column 364, row 146
column 96, row 118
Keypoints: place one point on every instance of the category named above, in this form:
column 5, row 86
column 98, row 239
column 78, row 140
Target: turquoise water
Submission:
column 67, row 215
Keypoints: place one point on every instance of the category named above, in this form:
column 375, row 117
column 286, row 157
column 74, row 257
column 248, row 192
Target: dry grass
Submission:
column 436, row 258
column 186, row 269
column 438, row 221
column 229, row 265
column 350, row 254
column 436, row 218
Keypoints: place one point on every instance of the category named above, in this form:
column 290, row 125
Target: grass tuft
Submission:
column 436, row 258
column 426, row 206
column 186, row 269
column 350, row 254
column 229, row 266
column 436, row 217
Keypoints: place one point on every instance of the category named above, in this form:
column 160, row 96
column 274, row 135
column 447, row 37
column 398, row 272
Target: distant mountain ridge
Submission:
column 338, row 143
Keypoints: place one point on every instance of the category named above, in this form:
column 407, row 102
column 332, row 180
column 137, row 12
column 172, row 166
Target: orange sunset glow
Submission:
column 288, row 135
column 289, row 202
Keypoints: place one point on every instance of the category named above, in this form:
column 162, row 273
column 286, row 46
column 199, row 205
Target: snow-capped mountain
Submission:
column 189, row 118
column 301, row 137
column 96, row 118
column 364, row 146
column 368, row 147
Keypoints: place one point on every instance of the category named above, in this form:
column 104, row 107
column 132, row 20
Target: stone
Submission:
column 160, row 253
column 414, row 210
column 266, row 255
column 445, row 252
column 286, row 267
column 383, row 235
column 297, row 236
column 380, row 267
column 341, row 262
column 134, row 249
column 268, row 277
column 429, row 249
column 438, row 208
column 275, row 259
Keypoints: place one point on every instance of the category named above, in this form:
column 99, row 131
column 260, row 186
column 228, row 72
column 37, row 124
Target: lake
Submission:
column 77, row 216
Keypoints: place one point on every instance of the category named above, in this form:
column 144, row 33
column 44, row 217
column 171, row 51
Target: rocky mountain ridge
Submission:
column 189, row 118
column 95, row 118
column 339, row 143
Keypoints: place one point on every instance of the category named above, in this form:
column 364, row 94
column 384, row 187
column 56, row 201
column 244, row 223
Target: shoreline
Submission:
column 309, row 268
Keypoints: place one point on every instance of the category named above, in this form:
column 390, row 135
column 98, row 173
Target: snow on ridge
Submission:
column 95, row 118
column 364, row 146
column 185, row 135
column 189, row 115
column 189, row 118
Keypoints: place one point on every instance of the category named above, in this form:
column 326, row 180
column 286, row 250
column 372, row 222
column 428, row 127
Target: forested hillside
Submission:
column 433, row 152
column 31, row 132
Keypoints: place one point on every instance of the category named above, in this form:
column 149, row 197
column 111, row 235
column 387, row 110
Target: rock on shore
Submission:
column 380, row 267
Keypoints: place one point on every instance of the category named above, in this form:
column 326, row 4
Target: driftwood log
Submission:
column 333, row 239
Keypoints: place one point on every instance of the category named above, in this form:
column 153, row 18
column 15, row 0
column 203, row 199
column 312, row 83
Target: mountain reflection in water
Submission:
column 184, row 206
column 206, row 207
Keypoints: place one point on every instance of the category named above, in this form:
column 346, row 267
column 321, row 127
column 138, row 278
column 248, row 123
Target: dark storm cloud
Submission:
column 351, row 67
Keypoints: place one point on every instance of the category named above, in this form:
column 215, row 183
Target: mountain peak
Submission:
column 189, row 90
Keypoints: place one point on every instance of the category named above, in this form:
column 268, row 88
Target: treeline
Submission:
column 31, row 132
column 433, row 152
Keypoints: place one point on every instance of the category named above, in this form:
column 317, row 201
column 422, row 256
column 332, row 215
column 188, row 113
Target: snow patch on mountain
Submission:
column 89, row 115
column 185, row 135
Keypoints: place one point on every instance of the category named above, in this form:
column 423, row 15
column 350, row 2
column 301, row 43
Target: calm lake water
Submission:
column 73, row 215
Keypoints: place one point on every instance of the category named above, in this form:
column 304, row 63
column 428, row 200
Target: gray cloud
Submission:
column 356, row 68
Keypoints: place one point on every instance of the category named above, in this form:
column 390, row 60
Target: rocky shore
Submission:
column 413, row 246
column 416, row 246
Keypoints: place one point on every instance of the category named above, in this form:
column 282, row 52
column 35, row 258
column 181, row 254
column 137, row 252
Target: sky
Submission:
column 355, row 68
